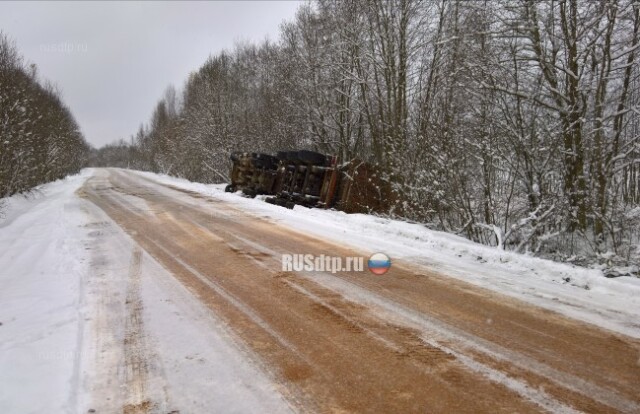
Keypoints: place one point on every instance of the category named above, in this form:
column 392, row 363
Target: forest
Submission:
column 40, row 140
column 515, row 124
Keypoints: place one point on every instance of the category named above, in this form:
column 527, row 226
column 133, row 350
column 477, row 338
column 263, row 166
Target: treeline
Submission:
column 515, row 124
column 39, row 139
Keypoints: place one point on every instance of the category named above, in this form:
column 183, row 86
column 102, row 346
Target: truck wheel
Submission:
column 249, row 192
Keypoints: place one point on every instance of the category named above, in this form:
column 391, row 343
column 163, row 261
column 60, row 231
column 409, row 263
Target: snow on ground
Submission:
column 584, row 294
column 66, row 281
column 41, row 266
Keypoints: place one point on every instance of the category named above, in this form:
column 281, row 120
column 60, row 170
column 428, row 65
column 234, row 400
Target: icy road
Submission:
column 176, row 302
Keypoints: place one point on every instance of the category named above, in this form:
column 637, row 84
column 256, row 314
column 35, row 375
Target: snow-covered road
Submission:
column 89, row 321
column 583, row 294
column 131, row 292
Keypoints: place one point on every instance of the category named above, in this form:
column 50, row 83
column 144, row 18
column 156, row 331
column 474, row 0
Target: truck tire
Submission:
column 249, row 192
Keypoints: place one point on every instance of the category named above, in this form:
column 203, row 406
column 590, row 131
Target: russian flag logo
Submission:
column 379, row 263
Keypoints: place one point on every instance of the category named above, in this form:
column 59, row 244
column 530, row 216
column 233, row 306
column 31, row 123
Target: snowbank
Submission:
column 41, row 265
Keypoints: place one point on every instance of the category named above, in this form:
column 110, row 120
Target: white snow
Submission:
column 577, row 292
column 41, row 266
column 63, row 284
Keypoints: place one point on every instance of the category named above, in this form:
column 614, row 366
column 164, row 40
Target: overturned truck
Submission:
column 310, row 179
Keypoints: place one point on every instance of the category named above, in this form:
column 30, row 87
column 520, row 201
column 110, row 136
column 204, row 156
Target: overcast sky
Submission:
column 114, row 60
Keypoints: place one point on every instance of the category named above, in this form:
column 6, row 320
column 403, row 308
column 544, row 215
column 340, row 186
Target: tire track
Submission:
column 136, row 362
